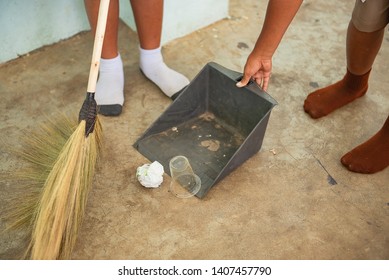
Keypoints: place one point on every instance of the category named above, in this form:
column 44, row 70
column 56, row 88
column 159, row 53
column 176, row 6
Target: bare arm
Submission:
column 279, row 15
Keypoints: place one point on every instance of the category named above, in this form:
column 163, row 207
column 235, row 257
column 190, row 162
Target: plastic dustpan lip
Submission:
column 236, row 76
column 257, row 90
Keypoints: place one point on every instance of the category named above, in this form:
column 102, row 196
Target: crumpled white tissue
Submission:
column 150, row 175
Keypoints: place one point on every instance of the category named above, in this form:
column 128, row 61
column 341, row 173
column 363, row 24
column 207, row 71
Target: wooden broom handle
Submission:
column 98, row 45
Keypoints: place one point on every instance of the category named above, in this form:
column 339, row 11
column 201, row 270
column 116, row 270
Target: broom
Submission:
column 56, row 215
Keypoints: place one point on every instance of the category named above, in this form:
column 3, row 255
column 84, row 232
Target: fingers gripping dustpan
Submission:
column 215, row 124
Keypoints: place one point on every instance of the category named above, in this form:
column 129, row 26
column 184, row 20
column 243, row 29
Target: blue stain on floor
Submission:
column 330, row 179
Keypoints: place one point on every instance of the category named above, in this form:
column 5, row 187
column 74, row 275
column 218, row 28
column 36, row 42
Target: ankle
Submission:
column 154, row 68
column 356, row 82
column 149, row 57
column 111, row 64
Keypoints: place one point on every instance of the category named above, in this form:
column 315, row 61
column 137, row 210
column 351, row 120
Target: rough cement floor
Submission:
column 280, row 204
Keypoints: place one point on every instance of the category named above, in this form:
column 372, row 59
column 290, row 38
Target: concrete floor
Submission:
column 280, row 204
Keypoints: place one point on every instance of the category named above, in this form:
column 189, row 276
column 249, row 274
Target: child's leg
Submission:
column 110, row 85
column 148, row 16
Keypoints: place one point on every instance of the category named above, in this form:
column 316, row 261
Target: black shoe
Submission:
column 110, row 110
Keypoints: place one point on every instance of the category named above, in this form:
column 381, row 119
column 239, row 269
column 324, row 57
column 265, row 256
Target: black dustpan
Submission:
column 215, row 124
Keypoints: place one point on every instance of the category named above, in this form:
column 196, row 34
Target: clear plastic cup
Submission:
column 185, row 183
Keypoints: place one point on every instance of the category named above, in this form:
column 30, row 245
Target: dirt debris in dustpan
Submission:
column 207, row 116
column 212, row 145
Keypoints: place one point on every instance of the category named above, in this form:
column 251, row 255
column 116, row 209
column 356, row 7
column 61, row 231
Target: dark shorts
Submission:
column 371, row 15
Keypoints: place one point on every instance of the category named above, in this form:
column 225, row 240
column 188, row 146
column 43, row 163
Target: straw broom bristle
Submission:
column 39, row 151
column 64, row 196
column 54, row 203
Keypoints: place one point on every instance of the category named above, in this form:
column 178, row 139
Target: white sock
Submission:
column 154, row 68
column 110, row 85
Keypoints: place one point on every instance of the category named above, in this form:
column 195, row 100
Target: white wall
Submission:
column 29, row 24
column 26, row 25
